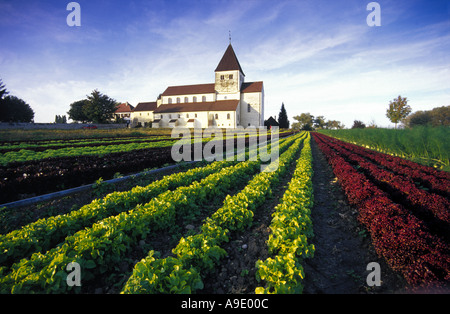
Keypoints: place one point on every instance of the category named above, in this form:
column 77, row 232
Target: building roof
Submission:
column 229, row 61
column 271, row 122
column 124, row 107
column 252, row 87
column 189, row 89
column 146, row 106
column 220, row 105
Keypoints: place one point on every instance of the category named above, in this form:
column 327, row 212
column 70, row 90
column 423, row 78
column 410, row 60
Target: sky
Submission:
column 315, row 56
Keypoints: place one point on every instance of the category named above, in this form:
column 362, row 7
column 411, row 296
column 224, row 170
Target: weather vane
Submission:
column 229, row 36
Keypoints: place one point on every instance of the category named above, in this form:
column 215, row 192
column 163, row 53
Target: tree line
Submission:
column 12, row 108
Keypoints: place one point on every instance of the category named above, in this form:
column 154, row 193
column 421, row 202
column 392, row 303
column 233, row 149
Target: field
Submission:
column 312, row 224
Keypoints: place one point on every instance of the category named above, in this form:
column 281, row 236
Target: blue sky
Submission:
column 317, row 56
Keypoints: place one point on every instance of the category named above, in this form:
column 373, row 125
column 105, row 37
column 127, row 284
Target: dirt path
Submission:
column 343, row 247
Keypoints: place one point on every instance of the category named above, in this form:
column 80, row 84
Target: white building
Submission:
column 229, row 102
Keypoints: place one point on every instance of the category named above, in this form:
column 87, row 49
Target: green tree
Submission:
column 283, row 120
column 357, row 124
column 304, row 122
column 398, row 110
column 3, row 91
column 76, row 112
column 14, row 109
column 97, row 108
column 100, row 108
column 319, row 122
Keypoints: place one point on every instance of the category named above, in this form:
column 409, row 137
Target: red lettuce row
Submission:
column 421, row 200
column 402, row 239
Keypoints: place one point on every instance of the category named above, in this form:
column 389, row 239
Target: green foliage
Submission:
column 398, row 110
column 283, row 120
column 426, row 145
column 291, row 227
column 97, row 108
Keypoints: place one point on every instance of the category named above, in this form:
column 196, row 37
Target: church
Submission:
column 229, row 102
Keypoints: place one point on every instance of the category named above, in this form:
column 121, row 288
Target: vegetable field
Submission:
column 174, row 234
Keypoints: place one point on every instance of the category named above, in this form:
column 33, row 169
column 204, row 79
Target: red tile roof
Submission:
column 229, row 61
column 125, row 107
column 221, row 105
column 146, row 106
column 189, row 89
column 252, row 87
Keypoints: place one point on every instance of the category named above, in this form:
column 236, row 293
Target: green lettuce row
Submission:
column 44, row 234
column 100, row 248
column 291, row 227
column 47, row 232
column 103, row 246
column 199, row 254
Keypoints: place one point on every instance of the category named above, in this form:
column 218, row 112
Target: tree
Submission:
column 76, row 112
column 358, row 125
column 319, row 122
column 304, row 122
column 3, row 91
column 333, row 124
column 97, row 108
column 283, row 120
column 398, row 110
column 14, row 109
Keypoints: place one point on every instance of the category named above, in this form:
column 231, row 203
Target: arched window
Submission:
column 216, row 116
column 170, row 100
column 249, row 108
column 194, row 99
column 178, row 100
column 228, row 116
column 204, row 98
column 186, row 99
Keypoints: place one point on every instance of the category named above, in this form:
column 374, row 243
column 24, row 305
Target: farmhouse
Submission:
column 124, row 111
column 229, row 102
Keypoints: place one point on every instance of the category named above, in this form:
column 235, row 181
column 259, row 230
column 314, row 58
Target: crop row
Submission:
column 197, row 255
column 421, row 200
column 45, row 233
column 101, row 247
column 28, row 155
column 405, row 241
column 291, row 228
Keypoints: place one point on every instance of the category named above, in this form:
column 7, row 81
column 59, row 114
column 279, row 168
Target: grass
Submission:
column 425, row 145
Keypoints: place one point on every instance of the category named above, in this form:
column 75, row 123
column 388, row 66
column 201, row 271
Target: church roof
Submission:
column 146, row 106
column 229, row 61
column 252, row 87
column 189, row 89
column 220, row 105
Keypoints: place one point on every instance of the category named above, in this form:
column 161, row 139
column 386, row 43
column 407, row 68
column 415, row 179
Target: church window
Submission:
column 204, row 98
column 170, row 100
column 178, row 100
column 228, row 116
column 249, row 108
column 186, row 99
column 194, row 99
column 187, row 115
column 230, row 76
column 216, row 116
column 196, row 115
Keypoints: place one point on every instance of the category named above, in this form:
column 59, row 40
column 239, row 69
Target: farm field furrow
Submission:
column 100, row 248
column 405, row 241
